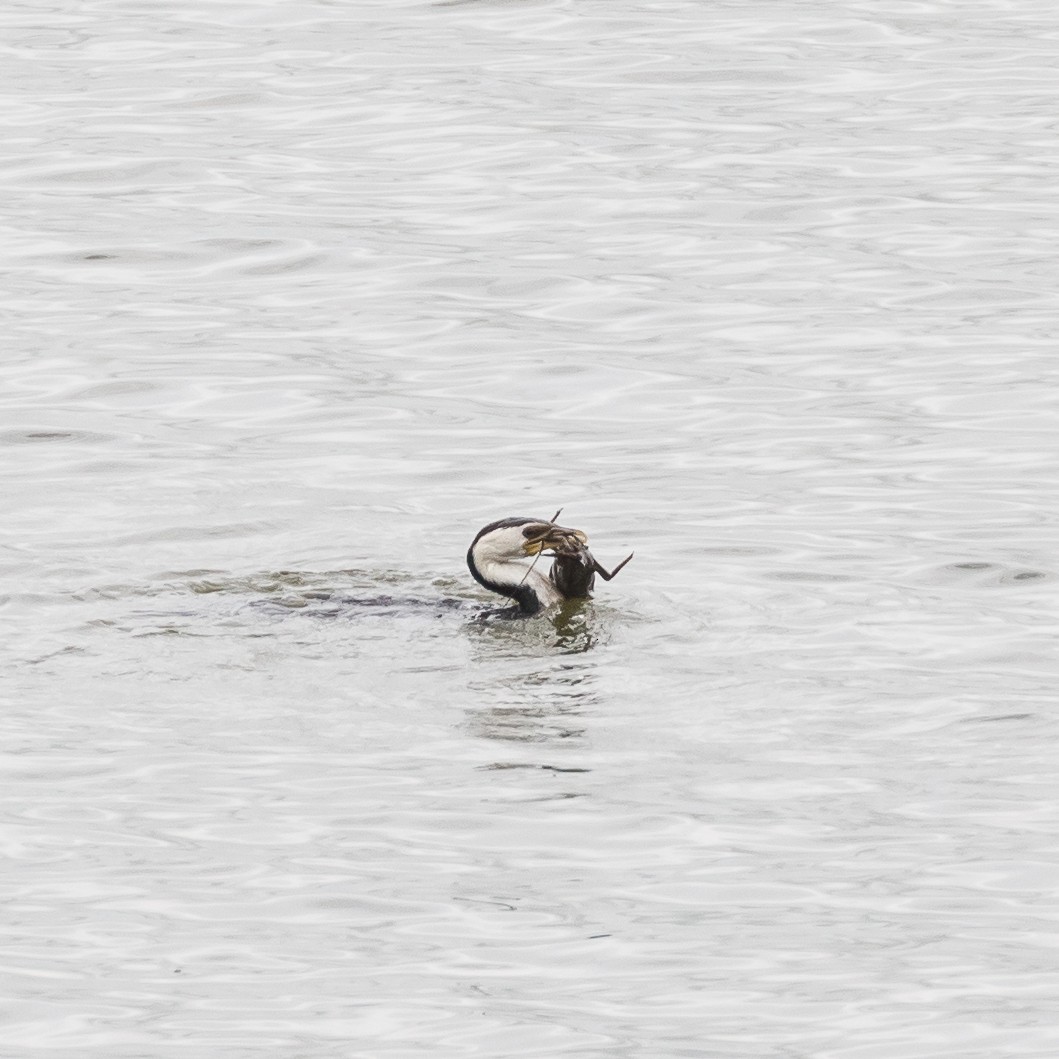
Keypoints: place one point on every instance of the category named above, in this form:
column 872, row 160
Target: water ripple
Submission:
column 294, row 305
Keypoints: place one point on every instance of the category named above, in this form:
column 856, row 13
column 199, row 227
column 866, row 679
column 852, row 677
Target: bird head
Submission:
column 512, row 539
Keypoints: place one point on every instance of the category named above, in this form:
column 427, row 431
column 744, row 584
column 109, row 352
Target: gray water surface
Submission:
column 296, row 297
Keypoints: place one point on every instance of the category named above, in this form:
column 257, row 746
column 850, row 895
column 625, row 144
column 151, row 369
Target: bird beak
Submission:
column 555, row 538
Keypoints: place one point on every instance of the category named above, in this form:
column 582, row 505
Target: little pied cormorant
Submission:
column 495, row 561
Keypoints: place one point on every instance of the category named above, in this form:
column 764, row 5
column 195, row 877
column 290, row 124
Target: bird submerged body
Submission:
column 495, row 561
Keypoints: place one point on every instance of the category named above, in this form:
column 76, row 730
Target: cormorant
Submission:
column 495, row 561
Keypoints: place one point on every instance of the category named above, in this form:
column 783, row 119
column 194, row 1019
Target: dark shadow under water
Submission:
column 257, row 601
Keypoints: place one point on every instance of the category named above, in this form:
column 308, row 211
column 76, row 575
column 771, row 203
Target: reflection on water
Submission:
column 534, row 708
column 536, row 687
column 292, row 306
column 574, row 629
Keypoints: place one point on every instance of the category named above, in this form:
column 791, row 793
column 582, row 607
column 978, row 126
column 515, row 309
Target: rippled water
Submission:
column 299, row 295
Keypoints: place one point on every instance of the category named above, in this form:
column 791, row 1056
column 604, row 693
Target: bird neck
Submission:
column 528, row 587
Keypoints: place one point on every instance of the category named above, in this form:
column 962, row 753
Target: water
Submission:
column 297, row 297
